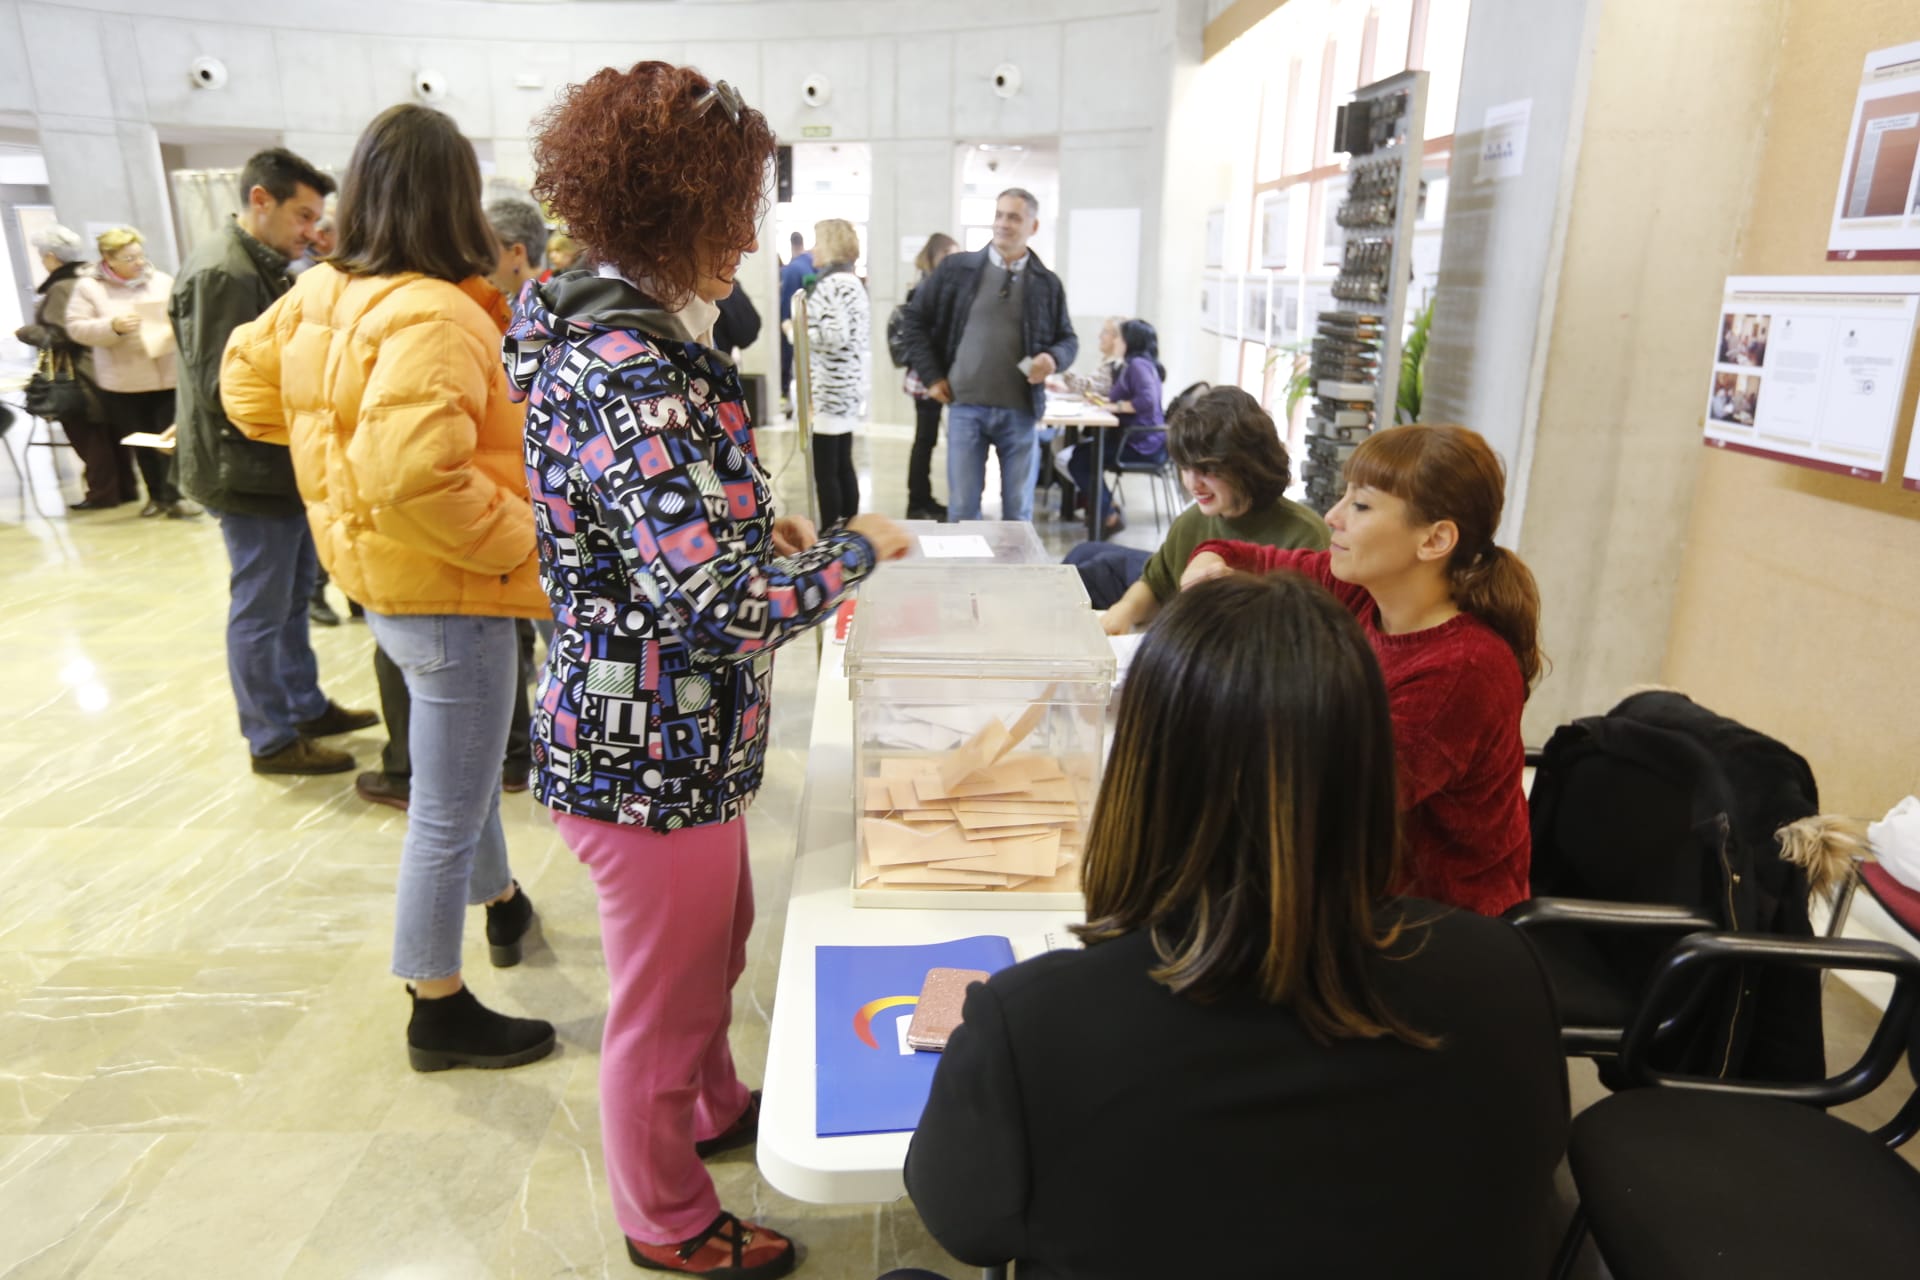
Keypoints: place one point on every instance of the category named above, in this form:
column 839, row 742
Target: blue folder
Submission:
column 863, row 999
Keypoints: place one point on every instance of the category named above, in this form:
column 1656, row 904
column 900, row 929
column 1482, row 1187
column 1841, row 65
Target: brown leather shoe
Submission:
column 378, row 787
column 728, row 1249
column 337, row 719
column 303, row 756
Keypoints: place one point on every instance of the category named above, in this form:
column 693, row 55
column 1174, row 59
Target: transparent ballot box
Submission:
column 979, row 707
column 976, row 542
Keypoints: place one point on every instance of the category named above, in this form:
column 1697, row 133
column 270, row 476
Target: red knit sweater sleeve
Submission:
column 1251, row 557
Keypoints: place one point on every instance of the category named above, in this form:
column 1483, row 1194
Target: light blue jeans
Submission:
column 460, row 674
column 971, row 430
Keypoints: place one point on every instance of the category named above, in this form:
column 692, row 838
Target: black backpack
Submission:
column 1662, row 800
column 897, row 331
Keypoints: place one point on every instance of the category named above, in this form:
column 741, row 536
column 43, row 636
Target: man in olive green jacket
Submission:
column 227, row 280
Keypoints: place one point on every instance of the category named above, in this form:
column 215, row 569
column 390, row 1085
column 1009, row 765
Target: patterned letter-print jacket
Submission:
column 655, row 527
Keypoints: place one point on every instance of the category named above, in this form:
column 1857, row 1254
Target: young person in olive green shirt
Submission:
column 1232, row 461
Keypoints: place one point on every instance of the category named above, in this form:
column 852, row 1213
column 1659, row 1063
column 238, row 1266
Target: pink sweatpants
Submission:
column 675, row 911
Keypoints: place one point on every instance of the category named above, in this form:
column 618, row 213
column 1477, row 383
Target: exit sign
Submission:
column 816, row 131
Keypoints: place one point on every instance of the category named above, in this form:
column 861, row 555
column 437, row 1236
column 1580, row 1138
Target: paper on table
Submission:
column 955, row 546
column 147, row 440
column 156, row 330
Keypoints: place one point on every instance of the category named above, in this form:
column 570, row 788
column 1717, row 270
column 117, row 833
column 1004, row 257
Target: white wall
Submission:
column 106, row 83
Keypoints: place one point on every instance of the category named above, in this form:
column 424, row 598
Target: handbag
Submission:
column 55, row 391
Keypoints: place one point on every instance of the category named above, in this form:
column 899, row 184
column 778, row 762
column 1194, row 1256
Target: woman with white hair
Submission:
column 105, row 465
column 133, row 361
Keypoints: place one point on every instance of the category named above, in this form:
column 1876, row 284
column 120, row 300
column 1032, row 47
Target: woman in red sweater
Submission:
column 1455, row 623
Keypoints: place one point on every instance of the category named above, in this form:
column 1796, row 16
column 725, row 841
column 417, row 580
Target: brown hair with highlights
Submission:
column 647, row 179
column 1224, row 432
column 1447, row 472
column 1248, row 819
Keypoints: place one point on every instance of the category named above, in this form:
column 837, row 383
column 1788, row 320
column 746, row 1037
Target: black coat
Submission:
column 738, row 324
column 1090, row 1123
column 935, row 315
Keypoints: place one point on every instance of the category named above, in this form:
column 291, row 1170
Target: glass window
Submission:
column 1446, row 47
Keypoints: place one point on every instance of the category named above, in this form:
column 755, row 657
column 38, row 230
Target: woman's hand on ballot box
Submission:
column 890, row 541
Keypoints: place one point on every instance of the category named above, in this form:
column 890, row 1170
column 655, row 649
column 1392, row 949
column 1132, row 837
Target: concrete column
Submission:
column 1578, row 302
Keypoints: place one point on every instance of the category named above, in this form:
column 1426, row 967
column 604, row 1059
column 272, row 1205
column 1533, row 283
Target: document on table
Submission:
column 955, row 546
column 148, row 440
column 867, row 1078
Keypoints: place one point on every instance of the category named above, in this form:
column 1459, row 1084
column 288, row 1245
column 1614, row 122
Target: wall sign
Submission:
column 1810, row 369
column 1876, row 214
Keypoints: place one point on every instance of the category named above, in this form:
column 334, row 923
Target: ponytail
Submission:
column 1498, row 588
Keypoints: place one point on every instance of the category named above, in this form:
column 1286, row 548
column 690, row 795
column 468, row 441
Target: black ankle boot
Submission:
column 459, row 1031
column 508, row 924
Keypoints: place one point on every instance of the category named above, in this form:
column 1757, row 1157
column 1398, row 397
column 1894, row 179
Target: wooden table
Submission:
column 1065, row 411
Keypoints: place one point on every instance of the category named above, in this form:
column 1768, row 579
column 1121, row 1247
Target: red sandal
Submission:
column 728, row 1249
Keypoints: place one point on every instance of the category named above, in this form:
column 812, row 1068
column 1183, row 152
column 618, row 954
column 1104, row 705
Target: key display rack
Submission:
column 1356, row 348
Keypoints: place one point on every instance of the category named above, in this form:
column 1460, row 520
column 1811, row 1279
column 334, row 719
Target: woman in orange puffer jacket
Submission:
column 381, row 370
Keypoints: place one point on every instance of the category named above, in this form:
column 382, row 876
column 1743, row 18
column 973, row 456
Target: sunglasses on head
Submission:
column 722, row 94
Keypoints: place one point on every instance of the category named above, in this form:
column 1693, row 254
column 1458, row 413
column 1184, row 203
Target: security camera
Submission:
column 207, row 73
column 1006, row 80
column 429, row 86
column 815, row 91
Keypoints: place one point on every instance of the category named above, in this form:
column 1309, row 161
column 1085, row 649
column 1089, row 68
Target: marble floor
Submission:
column 201, row 1063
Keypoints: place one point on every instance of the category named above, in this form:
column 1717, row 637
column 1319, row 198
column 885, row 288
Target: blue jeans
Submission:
column 276, row 679
column 971, row 429
column 1107, row 570
column 460, row 673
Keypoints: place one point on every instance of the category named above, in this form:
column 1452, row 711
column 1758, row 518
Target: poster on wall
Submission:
column 1216, row 238
column 1810, row 369
column 1276, row 228
column 1876, row 214
column 1212, row 302
column 1286, row 311
column 1103, row 261
column 1319, row 299
column 1911, row 480
column 1256, row 324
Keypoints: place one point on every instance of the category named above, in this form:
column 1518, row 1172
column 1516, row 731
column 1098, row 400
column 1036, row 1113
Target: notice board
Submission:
column 1812, row 369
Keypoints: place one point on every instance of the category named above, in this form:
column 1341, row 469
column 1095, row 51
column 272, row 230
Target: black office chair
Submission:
column 1164, row 485
column 1693, row 1177
column 1657, row 820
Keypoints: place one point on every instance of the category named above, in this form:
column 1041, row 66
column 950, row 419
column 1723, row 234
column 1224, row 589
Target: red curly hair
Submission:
column 646, row 184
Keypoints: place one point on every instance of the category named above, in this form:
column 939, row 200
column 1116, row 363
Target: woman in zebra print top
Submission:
column 839, row 330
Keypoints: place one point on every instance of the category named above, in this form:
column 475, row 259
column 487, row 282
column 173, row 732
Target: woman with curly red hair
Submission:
column 671, row 582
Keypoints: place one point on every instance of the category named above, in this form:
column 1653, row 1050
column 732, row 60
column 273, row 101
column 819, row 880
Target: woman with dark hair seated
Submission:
column 1260, row 1064
column 1232, row 461
column 1134, row 396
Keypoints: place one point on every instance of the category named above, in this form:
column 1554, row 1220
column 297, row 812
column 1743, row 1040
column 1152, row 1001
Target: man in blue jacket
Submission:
column 968, row 330
column 793, row 278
